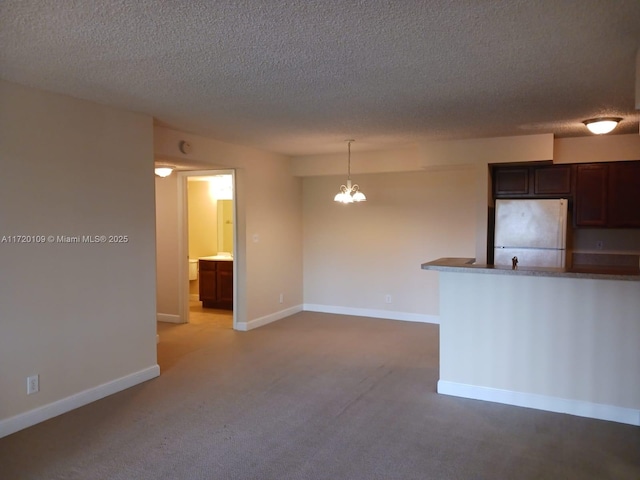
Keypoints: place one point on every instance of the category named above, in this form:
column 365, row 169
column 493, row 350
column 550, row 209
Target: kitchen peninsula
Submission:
column 547, row 338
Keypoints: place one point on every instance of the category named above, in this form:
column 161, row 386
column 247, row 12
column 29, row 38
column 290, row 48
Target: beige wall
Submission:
column 355, row 255
column 167, row 228
column 597, row 148
column 407, row 159
column 269, row 223
column 483, row 151
column 424, row 202
column 80, row 315
column 343, row 244
column 202, row 220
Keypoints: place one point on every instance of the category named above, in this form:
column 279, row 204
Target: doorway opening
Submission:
column 208, row 247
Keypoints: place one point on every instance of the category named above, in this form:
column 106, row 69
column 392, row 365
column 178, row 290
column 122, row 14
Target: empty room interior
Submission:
column 275, row 240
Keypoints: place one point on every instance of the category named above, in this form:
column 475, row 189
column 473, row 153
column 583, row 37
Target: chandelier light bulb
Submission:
column 358, row 196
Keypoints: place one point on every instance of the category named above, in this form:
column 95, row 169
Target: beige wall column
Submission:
column 79, row 314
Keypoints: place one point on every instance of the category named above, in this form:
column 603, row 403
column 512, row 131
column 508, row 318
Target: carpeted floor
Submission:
column 312, row 396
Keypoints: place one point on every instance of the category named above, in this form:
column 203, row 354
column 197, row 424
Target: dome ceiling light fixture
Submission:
column 164, row 170
column 349, row 193
column 602, row 125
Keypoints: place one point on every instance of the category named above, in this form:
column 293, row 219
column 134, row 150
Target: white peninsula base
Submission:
column 561, row 344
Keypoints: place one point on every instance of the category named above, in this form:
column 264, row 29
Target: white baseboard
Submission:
column 259, row 322
column 579, row 408
column 27, row 419
column 367, row 312
column 167, row 317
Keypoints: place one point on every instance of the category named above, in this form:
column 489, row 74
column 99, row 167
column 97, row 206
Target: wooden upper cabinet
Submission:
column 552, row 180
column 605, row 194
column 608, row 195
column 590, row 206
column 511, row 181
column 545, row 181
column 624, row 194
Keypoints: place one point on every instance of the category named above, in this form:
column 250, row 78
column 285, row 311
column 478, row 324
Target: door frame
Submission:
column 183, row 239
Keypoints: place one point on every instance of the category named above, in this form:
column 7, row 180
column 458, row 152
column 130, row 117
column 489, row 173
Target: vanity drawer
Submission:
column 207, row 265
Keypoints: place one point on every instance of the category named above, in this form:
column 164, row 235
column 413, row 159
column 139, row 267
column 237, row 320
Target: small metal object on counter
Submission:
column 514, row 263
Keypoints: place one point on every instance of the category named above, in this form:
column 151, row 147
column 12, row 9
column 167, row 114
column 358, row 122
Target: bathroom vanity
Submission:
column 216, row 282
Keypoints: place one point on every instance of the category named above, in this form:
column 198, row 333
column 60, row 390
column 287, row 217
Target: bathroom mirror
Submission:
column 225, row 225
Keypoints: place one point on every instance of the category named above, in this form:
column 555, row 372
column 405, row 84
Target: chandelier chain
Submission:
column 349, row 160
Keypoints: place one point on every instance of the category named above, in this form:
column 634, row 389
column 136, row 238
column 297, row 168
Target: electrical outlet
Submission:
column 281, row 297
column 33, row 384
column 387, row 299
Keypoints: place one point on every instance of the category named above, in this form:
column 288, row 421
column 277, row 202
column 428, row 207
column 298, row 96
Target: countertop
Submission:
column 224, row 258
column 454, row 264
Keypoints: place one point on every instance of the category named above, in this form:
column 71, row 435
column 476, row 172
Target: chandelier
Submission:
column 349, row 193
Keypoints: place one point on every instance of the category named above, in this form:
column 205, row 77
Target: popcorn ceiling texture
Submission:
column 301, row 76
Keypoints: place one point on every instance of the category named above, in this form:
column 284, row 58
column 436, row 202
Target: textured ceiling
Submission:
column 301, row 76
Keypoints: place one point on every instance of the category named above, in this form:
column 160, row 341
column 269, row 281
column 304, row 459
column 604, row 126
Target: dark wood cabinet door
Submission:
column 624, row 194
column 208, row 286
column 216, row 284
column 511, row 181
column 590, row 200
column 552, row 180
column 225, row 287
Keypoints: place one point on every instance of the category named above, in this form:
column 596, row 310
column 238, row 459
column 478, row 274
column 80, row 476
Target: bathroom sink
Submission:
column 217, row 257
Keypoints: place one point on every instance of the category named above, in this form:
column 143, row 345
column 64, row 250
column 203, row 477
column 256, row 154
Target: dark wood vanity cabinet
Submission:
column 544, row 181
column 607, row 195
column 216, row 283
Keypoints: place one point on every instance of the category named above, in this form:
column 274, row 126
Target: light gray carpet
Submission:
column 313, row 396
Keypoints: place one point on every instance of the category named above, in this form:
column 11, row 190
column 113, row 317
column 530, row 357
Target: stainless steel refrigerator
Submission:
column 535, row 231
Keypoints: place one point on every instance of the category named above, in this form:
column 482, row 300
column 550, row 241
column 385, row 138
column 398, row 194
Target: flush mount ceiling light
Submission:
column 349, row 193
column 164, row 171
column 602, row 125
